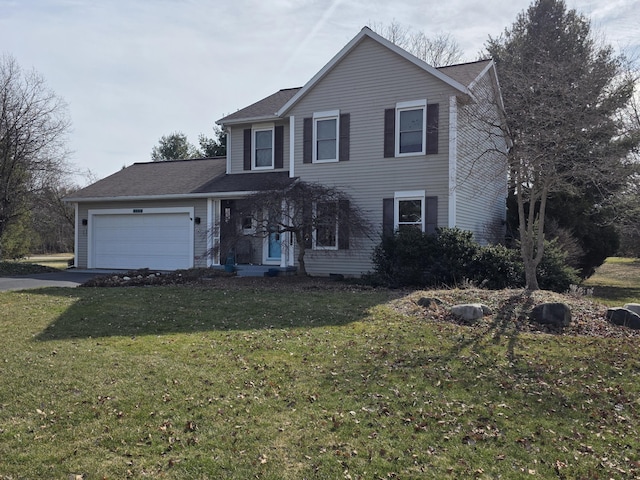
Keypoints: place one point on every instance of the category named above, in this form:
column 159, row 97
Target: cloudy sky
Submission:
column 134, row 70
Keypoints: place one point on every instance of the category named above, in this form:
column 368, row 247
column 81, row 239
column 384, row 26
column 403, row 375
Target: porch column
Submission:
column 213, row 232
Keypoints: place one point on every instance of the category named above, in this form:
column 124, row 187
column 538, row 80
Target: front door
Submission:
column 275, row 249
column 273, row 245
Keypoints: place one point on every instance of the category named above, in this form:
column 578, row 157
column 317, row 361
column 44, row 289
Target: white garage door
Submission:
column 161, row 241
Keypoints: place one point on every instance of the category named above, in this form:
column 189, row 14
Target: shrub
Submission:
column 497, row 267
column 451, row 257
column 553, row 271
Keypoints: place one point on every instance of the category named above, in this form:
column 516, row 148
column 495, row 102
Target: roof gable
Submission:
column 368, row 33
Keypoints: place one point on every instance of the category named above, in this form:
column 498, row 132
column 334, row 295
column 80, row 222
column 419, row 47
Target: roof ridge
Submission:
column 175, row 160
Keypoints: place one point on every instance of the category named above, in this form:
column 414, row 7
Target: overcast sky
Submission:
column 134, row 70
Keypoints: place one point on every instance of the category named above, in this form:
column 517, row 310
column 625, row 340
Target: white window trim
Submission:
column 327, row 115
column 262, row 128
column 408, row 195
column 314, row 235
column 405, row 106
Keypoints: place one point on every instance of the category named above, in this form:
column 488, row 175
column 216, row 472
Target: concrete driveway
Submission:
column 66, row 278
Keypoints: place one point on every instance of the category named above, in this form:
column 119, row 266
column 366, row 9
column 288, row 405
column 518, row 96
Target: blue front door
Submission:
column 275, row 249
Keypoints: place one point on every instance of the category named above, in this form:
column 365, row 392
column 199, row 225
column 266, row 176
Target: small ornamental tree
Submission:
column 312, row 213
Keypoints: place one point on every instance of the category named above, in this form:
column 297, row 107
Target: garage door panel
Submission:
column 160, row 241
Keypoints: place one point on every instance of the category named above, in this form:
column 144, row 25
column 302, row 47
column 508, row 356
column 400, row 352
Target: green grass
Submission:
column 616, row 282
column 183, row 382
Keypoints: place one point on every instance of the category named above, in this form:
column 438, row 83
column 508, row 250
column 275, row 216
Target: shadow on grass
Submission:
column 616, row 294
column 138, row 311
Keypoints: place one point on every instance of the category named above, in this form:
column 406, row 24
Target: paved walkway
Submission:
column 66, row 278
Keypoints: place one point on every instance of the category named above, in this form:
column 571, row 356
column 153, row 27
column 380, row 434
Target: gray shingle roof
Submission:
column 465, row 73
column 178, row 178
column 265, row 108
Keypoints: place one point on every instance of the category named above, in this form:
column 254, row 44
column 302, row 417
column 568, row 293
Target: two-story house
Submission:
column 411, row 144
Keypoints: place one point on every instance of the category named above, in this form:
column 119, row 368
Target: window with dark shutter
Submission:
column 307, row 140
column 387, row 217
column 345, row 133
column 431, row 214
column 433, row 111
column 343, row 225
column 389, row 132
column 247, row 149
column 278, row 152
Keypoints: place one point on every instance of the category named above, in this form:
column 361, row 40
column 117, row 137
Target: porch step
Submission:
column 263, row 271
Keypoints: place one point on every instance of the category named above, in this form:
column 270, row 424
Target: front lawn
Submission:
column 308, row 381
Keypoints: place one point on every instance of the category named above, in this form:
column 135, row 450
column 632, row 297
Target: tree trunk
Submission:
column 302, row 270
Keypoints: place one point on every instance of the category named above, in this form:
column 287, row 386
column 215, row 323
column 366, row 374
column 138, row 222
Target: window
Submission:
column 411, row 118
column 409, row 210
column 325, row 236
column 247, row 224
column 263, row 151
column 325, row 136
column 411, row 128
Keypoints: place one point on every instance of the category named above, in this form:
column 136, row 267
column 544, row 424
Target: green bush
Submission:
column 553, row 271
column 451, row 257
column 497, row 267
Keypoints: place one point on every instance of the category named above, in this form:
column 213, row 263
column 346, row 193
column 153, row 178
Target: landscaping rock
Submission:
column 634, row 307
column 556, row 314
column 624, row 317
column 428, row 302
column 470, row 312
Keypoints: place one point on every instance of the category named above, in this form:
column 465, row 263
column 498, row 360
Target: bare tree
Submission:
column 33, row 128
column 317, row 216
column 562, row 95
column 438, row 50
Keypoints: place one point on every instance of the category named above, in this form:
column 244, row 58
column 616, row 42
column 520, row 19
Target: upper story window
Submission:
column 263, row 147
column 263, row 150
column 411, row 128
column 411, row 118
column 326, row 136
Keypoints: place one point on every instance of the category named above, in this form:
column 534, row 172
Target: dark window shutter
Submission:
column 387, row 217
column 433, row 111
column 307, row 140
column 343, row 225
column 431, row 214
column 345, row 127
column 390, row 132
column 278, row 149
column 247, row 149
